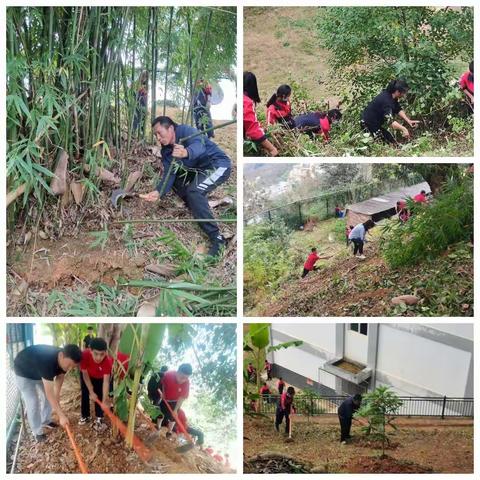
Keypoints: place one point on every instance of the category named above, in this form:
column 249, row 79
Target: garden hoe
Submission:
column 289, row 439
column 190, row 444
column 121, row 193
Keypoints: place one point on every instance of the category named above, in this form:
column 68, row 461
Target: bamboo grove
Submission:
column 72, row 77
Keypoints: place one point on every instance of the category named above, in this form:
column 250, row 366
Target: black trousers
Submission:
column 85, row 398
column 345, row 426
column 167, row 416
column 306, row 272
column 357, row 246
column 380, row 133
column 196, row 433
column 279, row 415
column 193, row 190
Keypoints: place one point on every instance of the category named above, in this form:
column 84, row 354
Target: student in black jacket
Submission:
column 383, row 109
column 345, row 415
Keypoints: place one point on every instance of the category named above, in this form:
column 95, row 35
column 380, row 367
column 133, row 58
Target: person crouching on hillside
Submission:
column 279, row 109
column 357, row 237
column 192, row 170
column 383, row 108
column 319, row 123
column 309, row 264
column 466, row 85
column 251, row 126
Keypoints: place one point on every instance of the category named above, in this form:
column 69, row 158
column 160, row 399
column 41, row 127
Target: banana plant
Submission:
column 141, row 342
column 257, row 342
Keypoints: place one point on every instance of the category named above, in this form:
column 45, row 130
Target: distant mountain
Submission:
column 269, row 173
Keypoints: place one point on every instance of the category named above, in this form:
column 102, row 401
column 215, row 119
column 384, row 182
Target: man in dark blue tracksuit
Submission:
column 345, row 415
column 206, row 165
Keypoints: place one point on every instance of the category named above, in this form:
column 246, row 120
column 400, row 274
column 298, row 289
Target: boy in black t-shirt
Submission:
column 88, row 337
column 39, row 373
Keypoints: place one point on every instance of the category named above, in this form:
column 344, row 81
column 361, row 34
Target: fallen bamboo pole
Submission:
column 14, row 194
column 178, row 220
column 76, row 451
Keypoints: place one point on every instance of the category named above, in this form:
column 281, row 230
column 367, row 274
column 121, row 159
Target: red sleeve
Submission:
column 282, row 401
column 272, row 116
column 251, row 127
column 463, row 81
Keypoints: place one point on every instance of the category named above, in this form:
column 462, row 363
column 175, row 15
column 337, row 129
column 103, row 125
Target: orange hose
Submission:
column 142, row 451
column 76, row 451
column 180, row 424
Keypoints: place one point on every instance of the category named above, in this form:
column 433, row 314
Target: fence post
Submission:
column 269, row 216
column 443, row 406
column 300, row 213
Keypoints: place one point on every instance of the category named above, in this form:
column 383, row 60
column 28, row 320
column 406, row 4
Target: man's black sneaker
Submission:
column 40, row 438
column 51, row 425
column 218, row 243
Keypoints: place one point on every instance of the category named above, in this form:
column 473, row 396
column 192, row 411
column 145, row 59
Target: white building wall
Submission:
column 416, row 365
column 356, row 346
column 464, row 330
column 321, row 337
column 409, row 363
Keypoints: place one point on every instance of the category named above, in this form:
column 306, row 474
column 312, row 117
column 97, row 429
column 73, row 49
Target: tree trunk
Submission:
column 111, row 333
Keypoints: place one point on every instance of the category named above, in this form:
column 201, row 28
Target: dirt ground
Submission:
column 419, row 445
column 280, row 45
column 66, row 259
column 101, row 452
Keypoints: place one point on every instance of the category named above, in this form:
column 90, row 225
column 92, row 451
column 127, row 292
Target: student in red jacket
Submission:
column 420, row 197
column 466, row 83
column 318, row 122
column 268, row 369
column 280, row 385
column 284, row 408
column 402, row 211
column 309, row 265
column 251, row 127
column 265, row 392
column 95, row 371
column 279, row 109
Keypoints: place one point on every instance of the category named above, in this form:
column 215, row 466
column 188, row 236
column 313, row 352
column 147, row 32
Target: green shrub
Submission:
column 266, row 261
column 432, row 227
column 379, row 408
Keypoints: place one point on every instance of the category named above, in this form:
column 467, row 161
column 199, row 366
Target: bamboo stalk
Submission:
column 168, row 61
column 176, row 220
column 14, row 194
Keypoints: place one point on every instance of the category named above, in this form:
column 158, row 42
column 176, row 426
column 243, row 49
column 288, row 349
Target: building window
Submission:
column 361, row 328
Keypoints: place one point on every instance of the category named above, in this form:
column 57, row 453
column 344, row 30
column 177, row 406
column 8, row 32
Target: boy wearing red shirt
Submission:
column 420, row 197
column 280, row 385
column 175, row 390
column 466, row 83
column 95, row 368
column 310, row 263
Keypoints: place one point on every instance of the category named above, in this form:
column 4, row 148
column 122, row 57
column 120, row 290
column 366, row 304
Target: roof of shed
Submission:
column 388, row 200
